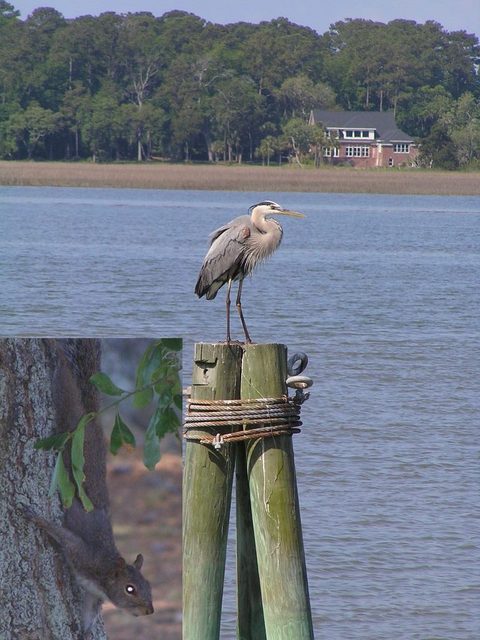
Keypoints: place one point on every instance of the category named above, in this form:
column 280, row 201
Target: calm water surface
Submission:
column 382, row 293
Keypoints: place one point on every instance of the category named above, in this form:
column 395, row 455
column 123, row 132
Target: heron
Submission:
column 236, row 249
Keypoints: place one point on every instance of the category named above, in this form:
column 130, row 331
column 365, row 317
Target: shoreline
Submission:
column 221, row 177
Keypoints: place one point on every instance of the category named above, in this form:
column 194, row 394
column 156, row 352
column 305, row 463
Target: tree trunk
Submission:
column 38, row 594
column 148, row 153
column 395, row 103
column 208, row 143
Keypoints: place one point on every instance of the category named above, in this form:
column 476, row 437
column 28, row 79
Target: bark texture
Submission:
column 39, row 598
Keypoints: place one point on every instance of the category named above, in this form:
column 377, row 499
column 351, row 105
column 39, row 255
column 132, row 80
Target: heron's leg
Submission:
column 229, row 286
column 240, row 312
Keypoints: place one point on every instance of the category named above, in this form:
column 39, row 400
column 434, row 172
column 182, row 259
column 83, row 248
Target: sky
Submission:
column 452, row 14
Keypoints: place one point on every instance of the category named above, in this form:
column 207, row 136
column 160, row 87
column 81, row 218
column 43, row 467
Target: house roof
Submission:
column 382, row 121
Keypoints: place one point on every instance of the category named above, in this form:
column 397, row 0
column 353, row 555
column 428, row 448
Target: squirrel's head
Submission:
column 128, row 589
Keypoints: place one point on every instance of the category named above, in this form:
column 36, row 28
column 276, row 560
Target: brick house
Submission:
column 365, row 139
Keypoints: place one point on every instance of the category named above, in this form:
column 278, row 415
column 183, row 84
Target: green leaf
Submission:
column 164, row 420
column 161, row 372
column 61, row 480
column 142, row 398
column 56, row 442
column 149, row 362
column 104, row 384
column 158, row 365
column 178, row 401
column 165, row 397
column 167, row 383
column 172, row 344
column 151, row 448
column 78, row 459
column 121, row 435
column 168, row 422
column 152, row 359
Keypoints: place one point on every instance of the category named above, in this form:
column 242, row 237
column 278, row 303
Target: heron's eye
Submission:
column 130, row 589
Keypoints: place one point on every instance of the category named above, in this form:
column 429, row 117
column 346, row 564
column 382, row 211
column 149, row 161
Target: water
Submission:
column 382, row 293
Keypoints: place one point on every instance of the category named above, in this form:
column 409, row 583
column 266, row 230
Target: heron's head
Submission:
column 268, row 208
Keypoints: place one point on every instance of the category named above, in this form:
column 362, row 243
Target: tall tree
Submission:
column 11, row 29
column 463, row 125
column 8, row 13
column 371, row 64
column 143, row 125
column 420, row 111
column 101, row 127
column 299, row 136
column 237, row 107
column 298, row 95
column 31, row 127
column 73, row 112
column 279, row 49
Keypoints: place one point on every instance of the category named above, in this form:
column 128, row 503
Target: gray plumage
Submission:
column 236, row 249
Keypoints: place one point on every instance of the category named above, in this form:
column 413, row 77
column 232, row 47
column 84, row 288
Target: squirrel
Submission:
column 86, row 538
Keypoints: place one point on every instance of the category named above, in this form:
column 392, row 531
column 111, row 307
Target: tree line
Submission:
column 137, row 87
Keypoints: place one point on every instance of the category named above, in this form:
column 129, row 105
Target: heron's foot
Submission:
column 233, row 342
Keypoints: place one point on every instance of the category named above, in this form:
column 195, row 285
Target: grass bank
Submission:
column 239, row 178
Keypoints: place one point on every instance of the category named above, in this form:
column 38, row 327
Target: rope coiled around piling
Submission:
column 219, row 422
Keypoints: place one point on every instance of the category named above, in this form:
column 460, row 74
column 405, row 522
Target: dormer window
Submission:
column 359, row 133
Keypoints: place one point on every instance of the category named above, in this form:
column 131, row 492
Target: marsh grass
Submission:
column 239, row 178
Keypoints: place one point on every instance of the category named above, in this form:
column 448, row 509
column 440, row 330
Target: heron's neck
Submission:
column 265, row 225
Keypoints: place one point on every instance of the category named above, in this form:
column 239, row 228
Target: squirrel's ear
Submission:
column 120, row 565
column 138, row 562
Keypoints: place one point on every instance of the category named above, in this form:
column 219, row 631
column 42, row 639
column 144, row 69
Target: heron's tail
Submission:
column 206, row 288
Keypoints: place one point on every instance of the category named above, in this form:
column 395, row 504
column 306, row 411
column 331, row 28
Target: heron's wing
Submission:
column 236, row 223
column 225, row 257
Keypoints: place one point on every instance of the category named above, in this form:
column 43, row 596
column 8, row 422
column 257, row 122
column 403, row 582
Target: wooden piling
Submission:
column 207, row 487
column 274, row 506
column 250, row 621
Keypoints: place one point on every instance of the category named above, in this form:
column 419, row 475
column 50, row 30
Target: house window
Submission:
column 362, row 151
column 328, row 152
column 357, row 133
column 390, row 162
column 401, row 147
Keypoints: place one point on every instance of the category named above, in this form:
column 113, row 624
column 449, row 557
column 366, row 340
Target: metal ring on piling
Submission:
column 297, row 363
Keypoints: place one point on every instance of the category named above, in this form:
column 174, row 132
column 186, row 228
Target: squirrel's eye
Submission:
column 130, row 589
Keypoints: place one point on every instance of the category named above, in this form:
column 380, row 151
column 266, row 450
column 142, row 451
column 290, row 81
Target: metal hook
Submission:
column 217, row 442
column 299, row 383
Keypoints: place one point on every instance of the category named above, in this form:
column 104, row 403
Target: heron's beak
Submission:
column 293, row 214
